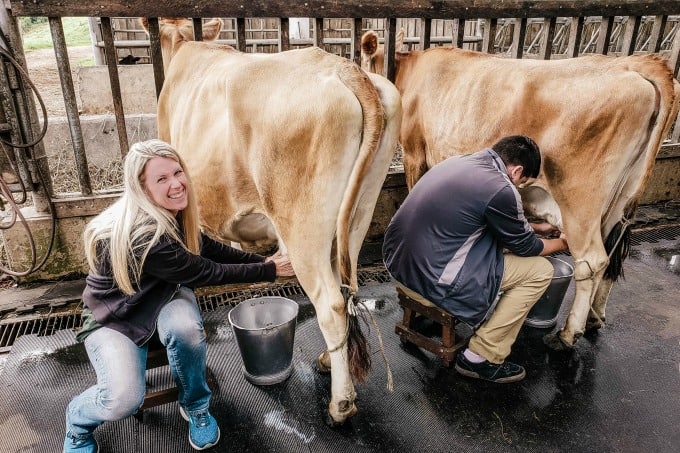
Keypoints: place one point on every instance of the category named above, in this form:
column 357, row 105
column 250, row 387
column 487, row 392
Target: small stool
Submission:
column 449, row 345
column 157, row 357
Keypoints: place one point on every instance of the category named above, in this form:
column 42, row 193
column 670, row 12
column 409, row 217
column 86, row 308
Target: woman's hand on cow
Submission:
column 283, row 266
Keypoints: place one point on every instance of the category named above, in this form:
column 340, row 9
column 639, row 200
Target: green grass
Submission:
column 36, row 32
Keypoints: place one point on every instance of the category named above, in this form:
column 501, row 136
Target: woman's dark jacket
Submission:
column 167, row 266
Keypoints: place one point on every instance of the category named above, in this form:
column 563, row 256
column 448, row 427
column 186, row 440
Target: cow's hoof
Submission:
column 346, row 410
column 323, row 363
column 594, row 324
column 555, row 342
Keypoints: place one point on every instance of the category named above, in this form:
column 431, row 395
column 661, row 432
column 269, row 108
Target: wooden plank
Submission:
column 549, row 25
column 433, row 9
column 656, row 35
column 490, row 29
column 519, row 34
column 83, row 206
column 669, row 151
column 605, row 36
column 630, row 35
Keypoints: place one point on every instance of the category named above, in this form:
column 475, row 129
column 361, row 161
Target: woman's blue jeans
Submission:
column 121, row 367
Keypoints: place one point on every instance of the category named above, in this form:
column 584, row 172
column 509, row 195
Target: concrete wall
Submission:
column 137, row 88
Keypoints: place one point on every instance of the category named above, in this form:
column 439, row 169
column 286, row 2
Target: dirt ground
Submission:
column 42, row 69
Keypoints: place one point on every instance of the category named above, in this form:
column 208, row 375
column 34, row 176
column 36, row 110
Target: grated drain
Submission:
column 36, row 323
column 654, row 234
column 208, row 299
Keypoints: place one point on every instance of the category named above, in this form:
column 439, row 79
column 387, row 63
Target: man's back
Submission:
column 443, row 242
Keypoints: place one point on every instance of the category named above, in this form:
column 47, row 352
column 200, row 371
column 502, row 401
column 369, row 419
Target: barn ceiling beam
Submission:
column 433, row 9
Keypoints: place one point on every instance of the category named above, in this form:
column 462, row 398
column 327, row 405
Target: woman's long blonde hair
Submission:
column 134, row 223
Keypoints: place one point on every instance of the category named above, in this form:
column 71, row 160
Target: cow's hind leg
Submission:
column 322, row 287
column 590, row 261
column 596, row 317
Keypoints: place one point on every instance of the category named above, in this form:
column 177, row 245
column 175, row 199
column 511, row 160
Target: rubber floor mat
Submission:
column 617, row 391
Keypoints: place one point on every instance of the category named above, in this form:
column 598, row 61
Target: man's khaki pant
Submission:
column 525, row 279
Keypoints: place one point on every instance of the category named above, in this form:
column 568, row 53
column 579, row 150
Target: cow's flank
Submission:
column 598, row 120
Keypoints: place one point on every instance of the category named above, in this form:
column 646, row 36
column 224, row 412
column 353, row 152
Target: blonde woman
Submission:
column 146, row 253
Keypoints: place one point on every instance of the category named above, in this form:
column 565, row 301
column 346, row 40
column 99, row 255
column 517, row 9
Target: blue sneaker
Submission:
column 203, row 430
column 85, row 443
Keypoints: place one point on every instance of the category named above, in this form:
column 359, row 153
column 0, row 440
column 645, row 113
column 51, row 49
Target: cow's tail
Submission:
column 656, row 71
column 373, row 118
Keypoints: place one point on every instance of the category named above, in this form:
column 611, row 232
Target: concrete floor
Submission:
column 618, row 390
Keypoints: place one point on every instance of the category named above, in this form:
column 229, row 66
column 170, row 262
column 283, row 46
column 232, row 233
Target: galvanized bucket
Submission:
column 264, row 328
column 544, row 313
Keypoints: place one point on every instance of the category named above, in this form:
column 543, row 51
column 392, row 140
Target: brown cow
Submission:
column 598, row 120
column 290, row 147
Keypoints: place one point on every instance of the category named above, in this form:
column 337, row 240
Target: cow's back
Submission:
column 607, row 106
column 255, row 129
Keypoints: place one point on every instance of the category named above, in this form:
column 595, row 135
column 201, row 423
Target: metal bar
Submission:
column 198, row 28
column 318, row 32
column 112, row 64
column 425, row 33
column 356, row 40
column 433, row 9
column 458, row 33
column 284, row 35
column 7, row 106
column 28, row 117
column 70, row 104
column 156, row 53
column 390, row 44
column 241, row 33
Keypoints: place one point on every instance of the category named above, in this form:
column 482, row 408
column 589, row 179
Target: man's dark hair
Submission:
column 520, row 150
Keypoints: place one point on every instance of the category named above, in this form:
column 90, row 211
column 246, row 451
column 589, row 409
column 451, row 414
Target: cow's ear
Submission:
column 145, row 23
column 211, row 29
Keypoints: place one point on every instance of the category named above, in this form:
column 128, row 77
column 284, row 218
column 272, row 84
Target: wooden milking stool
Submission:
column 156, row 357
column 449, row 345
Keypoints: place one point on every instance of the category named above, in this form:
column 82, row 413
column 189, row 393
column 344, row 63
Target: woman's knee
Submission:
column 121, row 400
column 181, row 320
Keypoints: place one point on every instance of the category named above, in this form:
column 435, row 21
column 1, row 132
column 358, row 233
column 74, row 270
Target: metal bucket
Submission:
column 264, row 328
column 544, row 313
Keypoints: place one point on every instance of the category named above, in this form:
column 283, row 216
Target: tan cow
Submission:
column 291, row 147
column 598, row 120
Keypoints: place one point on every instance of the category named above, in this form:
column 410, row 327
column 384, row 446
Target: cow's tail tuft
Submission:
column 617, row 246
column 357, row 350
column 373, row 118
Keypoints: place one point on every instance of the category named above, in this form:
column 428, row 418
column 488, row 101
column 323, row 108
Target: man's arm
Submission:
column 551, row 246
